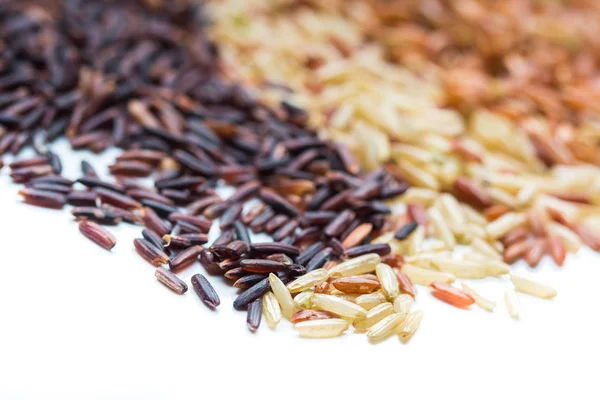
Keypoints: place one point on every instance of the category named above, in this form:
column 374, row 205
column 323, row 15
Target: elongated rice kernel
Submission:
column 415, row 242
column 356, row 266
column 388, row 280
column 506, row 223
column 321, row 328
column 386, row 326
column 526, row 285
column 283, row 296
column 451, row 209
column 512, row 303
column 303, row 300
column 371, row 300
column 374, row 315
column 451, row 295
column 569, row 238
column 308, row 281
column 426, row 277
column 338, row 306
column 409, row 326
column 481, row 301
column 403, row 303
column 271, row 310
column 427, row 260
column 472, row 269
column 441, row 228
column 420, row 195
column 473, row 216
column 485, row 248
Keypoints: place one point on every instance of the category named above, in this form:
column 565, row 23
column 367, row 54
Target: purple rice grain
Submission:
column 273, row 248
column 309, row 253
column 153, row 222
column 337, row 226
column 261, row 266
column 275, row 223
column 254, row 315
column 251, row 294
column 382, row 249
column 336, row 246
column 237, row 248
column 140, row 194
column 176, row 242
column 25, row 174
column 202, row 223
column 241, row 231
column 186, row 258
column 198, row 206
column 170, row 280
column 319, row 260
column 405, row 231
column 225, row 238
column 187, row 227
column 153, row 238
column 195, row 238
column 235, row 274
column 97, row 234
column 244, row 282
column 183, row 182
column 94, row 183
column 84, row 199
column 258, row 223
column 151, row 253
column 162, row 209
column 205, row 291
column 28, row 162
column 50, row 187
column 98, row 215
column 278, row 203
column 208, row 262
column 43, row 198
column 286, row 230
column 245, row 192
column 231, row 215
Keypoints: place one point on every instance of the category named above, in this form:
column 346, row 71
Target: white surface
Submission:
column 79, row 322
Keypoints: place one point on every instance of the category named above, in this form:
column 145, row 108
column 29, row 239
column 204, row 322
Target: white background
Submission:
column 79, row 322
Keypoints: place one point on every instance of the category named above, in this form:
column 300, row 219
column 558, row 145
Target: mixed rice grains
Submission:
column 349, row 246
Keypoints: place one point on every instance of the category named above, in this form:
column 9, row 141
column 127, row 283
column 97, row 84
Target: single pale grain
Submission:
column 369, row 301
column 506, row 223
column 472, row 269
column 386, row 326
column 442, row 229
column 526, row 285
column 403, row 304
column 283, row 296
column 571, row 241
column 426, row 277
column 481, row 301
column 374, row 315
column 388, row 280
column 308, row 281
column 512, row 303
column 415, row 242
column 409, row 326
column 271, row 310
column 356, row 266
column 321, row 328
column 485, row 248
column 303, row 300
column 338, row 306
